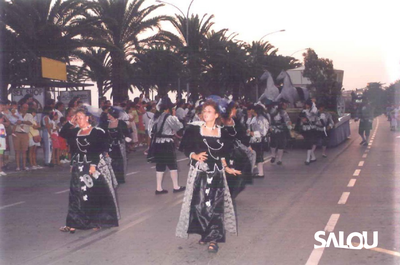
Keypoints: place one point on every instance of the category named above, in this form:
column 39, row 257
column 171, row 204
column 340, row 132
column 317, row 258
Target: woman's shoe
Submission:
column 307, row 163
column 67, row 229
column 213, row 247
column 161, row 192
column 181, row 188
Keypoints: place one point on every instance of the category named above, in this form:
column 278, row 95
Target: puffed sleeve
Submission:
column 188, row 143
column 174, row 123
column 228, row 141
column 124, row 128
column 98, row 145
column 68, row 131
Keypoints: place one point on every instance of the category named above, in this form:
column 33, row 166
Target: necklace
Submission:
column 210, row 128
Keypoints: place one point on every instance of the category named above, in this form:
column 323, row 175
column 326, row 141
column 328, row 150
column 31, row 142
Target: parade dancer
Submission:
column 242, row 157
column 325, row 124
column 365, row 115
column 117, row 131
column 92, row 198
column 307, row 119
column 207, row 207
column 259, row 126
column 279, row 129
column 162, row 128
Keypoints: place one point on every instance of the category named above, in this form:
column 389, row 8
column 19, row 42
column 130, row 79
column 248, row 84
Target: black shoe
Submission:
column 313, row 160
column 365, row 144
column 256, row 176
column 307, row 163
column 181, row 188
column 161, row 192
column 279, row 163
column 362, row 142
column 272, row 159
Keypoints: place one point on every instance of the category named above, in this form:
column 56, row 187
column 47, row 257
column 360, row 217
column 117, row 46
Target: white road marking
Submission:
column 330, row 226
column 356, row 173
column 344, row 197
column 369, row 147
column 316, row 254
column 132, row 173
column 11, row 205
column 63, row 191
column 351, row 184
column 364, row 155
column 366, row 151
column 361, row 163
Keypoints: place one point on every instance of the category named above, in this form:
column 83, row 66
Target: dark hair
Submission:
column 47, row 110
column 32, row 110
column 149, row 107
column 214, row 105
column 63, row 119
column 58, row 104
column 229, row 109
column 114, row 112
column 52, row 114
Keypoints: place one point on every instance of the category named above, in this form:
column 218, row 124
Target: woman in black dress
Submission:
column 242, row 157
column 92, row 199
column 207, row 207
column 307, row 123
column 117, row 131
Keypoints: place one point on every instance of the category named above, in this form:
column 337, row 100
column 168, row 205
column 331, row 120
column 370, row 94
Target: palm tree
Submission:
column 36, row 28
column 96, row 67
column 193, row 54
column 119, row 27
column 158, row 66
column 227, row 69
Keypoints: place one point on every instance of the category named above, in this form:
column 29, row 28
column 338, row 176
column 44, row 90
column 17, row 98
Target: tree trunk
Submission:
column 119, row 82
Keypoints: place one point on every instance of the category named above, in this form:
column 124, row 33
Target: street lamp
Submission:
column 282, row 30
column 298, row 51
column 186, row 17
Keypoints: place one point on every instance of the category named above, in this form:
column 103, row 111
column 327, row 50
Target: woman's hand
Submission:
column 92, row 170
column 232, row 171
column 200, row 156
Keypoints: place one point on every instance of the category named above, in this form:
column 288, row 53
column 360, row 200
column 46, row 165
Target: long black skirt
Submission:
column 91, row 203
column 207, row 207
column 118, row 162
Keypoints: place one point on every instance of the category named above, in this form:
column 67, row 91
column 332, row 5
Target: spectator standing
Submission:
column 46, row 132
column 34, row 133
column 21, row 139
column 146, row 120
column 3, row 135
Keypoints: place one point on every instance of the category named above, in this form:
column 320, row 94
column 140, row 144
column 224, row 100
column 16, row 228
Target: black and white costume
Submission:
column 279, row 130
column 117, row 149
column 307, row 120
column 259, row 125
column 92, row 198
column 164, row 147
column 207, row 207
column 240, row 158
column 324, row 124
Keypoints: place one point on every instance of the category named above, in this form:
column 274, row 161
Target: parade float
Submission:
column 295, row 90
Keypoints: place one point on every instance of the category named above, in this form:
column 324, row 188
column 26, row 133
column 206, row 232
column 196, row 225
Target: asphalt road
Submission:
column 355, row 189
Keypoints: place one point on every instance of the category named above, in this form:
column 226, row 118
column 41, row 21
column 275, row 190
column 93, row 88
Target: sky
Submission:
column 360, row 37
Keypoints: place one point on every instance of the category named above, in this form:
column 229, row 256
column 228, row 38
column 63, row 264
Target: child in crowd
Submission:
column 15, row 117
column 34, row 140
column 55, row 155
column 3, row 136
